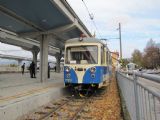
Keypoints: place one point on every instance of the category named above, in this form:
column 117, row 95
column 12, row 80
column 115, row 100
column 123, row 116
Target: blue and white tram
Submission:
column 87, row 63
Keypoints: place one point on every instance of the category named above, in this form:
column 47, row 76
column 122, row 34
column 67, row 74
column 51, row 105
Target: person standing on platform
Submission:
column 23, row 67
column 55, row 68
column 48, row 70
column 32, row 70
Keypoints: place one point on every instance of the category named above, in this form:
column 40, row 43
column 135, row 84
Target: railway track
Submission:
column 69, row 108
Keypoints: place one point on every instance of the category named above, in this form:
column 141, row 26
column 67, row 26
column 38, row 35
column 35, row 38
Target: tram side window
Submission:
column 102, row 55
column 107, row 57
column 110, row 59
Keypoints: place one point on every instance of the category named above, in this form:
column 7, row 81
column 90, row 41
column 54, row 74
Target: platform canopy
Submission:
column 34, row 18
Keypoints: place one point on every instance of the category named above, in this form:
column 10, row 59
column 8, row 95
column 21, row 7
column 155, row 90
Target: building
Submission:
column 115, row 57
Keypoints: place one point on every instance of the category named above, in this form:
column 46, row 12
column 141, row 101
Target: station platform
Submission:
column 20, row 94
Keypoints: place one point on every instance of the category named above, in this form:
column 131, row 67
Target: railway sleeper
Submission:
column 40, row 112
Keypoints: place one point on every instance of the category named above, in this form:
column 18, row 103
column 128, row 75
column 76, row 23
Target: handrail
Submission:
column 141, row 99
column 152, row 77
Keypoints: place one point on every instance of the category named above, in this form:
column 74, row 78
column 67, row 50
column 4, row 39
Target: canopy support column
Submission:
column 44, row 58
column 58, row 60
column 35, row 52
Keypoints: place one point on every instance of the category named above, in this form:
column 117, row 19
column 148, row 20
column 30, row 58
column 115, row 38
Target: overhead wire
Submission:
column 91, row 16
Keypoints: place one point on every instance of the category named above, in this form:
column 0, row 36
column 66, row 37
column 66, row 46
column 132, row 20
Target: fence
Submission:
column 142, row 100
column 8, row 68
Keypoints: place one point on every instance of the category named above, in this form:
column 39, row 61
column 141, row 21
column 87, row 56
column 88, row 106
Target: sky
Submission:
column 16, row 51
column 140, row 21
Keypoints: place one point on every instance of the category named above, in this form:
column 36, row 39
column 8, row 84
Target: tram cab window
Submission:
column 82, row 55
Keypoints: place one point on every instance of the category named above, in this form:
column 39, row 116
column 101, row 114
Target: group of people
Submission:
column 32, row 69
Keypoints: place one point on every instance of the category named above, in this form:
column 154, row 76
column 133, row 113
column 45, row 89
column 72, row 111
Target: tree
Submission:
column 151, row 57
column 150, row 43
column 137, row 57
column 124, row 62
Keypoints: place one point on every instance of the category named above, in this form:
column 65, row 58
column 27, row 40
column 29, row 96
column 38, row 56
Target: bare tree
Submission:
column 150, row 43
column 151, row 57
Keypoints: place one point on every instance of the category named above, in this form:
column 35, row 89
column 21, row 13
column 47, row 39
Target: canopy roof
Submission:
column 32, row 18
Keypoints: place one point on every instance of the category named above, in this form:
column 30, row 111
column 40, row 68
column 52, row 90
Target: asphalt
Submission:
column 20, row 94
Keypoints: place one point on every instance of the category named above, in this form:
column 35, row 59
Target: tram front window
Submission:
column 82, row 55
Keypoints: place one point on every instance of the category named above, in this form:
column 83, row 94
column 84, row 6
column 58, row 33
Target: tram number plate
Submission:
column 68, row 80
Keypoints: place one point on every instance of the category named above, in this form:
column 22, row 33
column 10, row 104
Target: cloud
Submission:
column 7, row 47
column 13, row 50
column 127, row 47
column 139, row 19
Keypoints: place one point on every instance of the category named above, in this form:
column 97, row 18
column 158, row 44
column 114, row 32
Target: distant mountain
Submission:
column 7, row 62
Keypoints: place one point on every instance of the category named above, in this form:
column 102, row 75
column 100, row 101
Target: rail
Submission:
column 67, row 108
column 142, row 100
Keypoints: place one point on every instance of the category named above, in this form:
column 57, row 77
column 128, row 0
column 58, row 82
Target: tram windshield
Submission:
column 81, row 55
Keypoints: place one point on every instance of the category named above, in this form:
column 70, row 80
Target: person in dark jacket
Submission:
column 23, row 67
column 55, row 68
column 32, row 70
column 49, row 70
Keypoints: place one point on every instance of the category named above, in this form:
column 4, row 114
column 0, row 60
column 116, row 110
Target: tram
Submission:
column 87, row 63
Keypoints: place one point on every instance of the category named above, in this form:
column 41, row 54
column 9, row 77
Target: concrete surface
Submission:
column 20, row 94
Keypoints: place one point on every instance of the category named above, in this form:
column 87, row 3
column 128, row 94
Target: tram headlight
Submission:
column 93, row 69
column 93, row 76
column 67, row 69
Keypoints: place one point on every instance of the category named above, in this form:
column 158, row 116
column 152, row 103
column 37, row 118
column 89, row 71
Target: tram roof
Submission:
column 86, row 40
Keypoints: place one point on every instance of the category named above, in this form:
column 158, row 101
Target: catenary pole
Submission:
column 120, row 41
